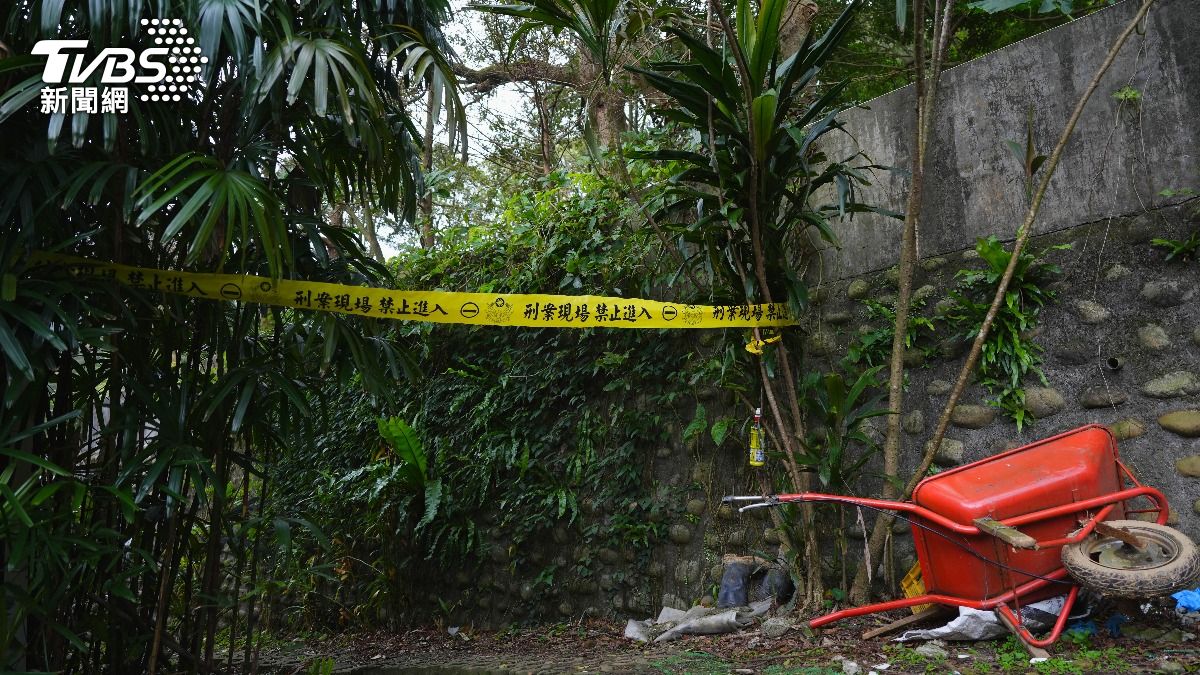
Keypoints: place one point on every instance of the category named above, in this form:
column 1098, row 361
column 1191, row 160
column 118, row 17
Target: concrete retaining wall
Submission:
column 1119, row 158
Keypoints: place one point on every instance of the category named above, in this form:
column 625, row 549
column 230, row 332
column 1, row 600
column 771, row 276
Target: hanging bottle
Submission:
column 758, row 442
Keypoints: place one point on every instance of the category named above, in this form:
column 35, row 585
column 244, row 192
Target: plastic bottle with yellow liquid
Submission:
column 758, row 443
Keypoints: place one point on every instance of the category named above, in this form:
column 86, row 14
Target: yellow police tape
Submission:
column 481, row 309
column 755, row 346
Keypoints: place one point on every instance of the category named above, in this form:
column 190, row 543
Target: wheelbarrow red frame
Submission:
column 1055, row 490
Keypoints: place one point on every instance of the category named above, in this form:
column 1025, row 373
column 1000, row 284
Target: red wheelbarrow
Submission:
column 1029, row 524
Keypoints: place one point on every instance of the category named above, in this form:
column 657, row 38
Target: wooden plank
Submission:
column 1034, row 652
column 927, row 613
column 1117, row 533
column 1009, row 535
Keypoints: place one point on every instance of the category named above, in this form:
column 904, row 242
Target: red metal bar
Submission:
column 1094, row 502
column 1083, row 531
column 987, row 603
column 885, row 504
column 1027, row 637
column 1015, row 521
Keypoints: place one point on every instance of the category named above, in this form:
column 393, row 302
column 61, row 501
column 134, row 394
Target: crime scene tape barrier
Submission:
column 481, row 309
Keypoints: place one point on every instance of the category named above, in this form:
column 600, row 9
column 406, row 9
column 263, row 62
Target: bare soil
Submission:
column 596, row 645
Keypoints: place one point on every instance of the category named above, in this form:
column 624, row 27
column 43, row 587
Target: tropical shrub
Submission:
column 1009, row 354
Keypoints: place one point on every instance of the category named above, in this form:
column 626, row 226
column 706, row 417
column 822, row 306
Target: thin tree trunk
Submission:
column 212, row 573
column 546, row 140
column 239, row 569
column 165, row 583
column 927, row 77
column 369, row 233
column 427, row 166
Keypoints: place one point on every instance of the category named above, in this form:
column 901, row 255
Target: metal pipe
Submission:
column 937, row 598
column 1023, row 633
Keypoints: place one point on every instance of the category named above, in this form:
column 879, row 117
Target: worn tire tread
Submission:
column 1180, row 573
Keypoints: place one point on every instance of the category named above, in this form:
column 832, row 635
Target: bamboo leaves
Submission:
column 215, row 196
column 427, row 63
column 601, row 26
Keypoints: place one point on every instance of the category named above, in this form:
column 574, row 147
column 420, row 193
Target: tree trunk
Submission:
column 927, row 76
column 369, row 233
column 797, row 22
column 546, row 140
column 427, row 166
column 605, row 105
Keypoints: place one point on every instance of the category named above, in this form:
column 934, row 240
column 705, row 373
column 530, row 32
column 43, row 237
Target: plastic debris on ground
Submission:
column 1081, row 627
column 673, row 623
column 1188, row 601
column 975, row 624
column 934, row 649
column 1114, row 623
column 1187, row 606
column 749, row 578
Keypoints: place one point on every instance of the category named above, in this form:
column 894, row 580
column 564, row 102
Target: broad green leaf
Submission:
column 698, row 424
column 994, row 6
column 763, row 110
column 720, row 429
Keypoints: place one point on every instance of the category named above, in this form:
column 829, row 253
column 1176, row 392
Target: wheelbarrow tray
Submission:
column 1066, row 469
column 1057, row 491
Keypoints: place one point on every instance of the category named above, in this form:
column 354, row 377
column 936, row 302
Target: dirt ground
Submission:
column 1151, row 642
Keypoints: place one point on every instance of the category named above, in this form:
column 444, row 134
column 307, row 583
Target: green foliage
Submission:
column 320, row 666
column 908, row 658
column 1028, row 156
column 1128, row 94
column 603, row 27
column 1177, row 192
column 412, row 468
column 701, row 663
column 755, row 166
column 874, row 347
column 836, row 407
column 1043, row 6
column 1184, row 249
column 140, row 429
column 876, row 56
column 1009, row 354
column 531, row 434
column 1109, row 659
column 1011, row 655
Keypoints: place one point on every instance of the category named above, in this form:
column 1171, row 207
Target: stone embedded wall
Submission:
column 1118, row 298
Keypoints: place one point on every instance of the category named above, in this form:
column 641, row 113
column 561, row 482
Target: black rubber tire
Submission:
column 1177, row 573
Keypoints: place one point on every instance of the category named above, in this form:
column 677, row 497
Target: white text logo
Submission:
column 167, row 70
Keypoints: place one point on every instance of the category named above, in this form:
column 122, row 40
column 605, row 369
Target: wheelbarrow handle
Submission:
column 1102, row 502
column 760, row 501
